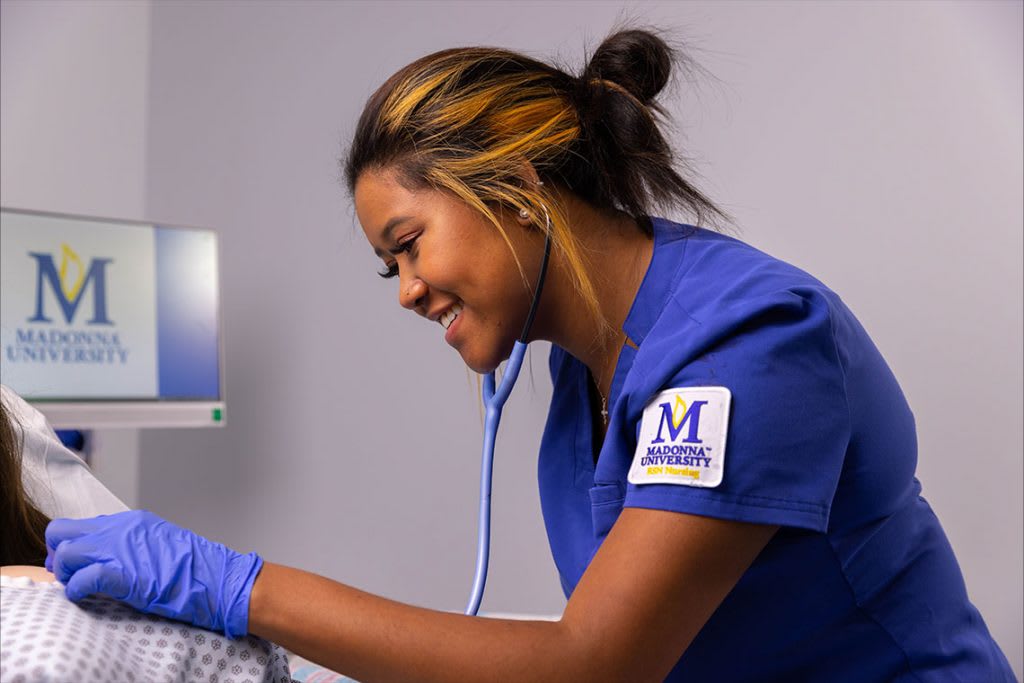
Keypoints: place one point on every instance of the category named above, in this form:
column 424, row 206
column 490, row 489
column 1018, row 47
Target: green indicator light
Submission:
column 218, row 415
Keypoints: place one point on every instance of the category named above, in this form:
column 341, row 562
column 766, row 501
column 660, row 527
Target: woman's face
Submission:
column 448, row 257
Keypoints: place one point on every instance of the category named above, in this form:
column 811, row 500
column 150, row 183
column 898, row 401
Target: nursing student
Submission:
column 708, row 473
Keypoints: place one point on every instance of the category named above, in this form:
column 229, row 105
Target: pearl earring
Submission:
column 523, row 213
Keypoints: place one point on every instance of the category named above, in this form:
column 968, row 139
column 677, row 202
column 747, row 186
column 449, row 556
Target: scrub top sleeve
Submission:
column 787, row 423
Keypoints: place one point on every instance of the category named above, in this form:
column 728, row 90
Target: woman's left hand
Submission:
column 154, row 566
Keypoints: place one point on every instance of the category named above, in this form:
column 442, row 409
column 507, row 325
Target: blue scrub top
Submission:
column 860, row 583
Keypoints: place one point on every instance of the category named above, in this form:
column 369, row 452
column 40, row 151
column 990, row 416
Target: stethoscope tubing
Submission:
column 494, row 401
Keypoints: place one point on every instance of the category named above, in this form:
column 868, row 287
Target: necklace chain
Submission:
column 604, row 401
column 604, row 405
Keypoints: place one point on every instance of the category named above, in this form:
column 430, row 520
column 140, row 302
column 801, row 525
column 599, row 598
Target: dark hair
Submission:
column 463, row 120
column 24, row 526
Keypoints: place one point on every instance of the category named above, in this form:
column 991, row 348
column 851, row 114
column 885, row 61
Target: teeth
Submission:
column 449, row 316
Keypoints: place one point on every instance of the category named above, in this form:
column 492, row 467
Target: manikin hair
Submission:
column 24, row 525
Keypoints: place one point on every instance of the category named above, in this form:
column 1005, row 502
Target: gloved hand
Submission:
column 154, row 566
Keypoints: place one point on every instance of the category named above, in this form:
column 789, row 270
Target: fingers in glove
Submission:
column 65, row 529
column 99, row 578
column 58, row 530
column 73, row 556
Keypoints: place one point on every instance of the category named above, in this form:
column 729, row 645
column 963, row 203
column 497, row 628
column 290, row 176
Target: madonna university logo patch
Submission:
column 682, row 438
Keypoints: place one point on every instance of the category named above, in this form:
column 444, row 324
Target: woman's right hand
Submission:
column 154, row 566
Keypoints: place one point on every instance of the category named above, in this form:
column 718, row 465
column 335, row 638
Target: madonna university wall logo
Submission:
column 71, row 321
column 682, row 438
column 68, row 285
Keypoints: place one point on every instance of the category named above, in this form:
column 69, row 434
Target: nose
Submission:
column 411, row 293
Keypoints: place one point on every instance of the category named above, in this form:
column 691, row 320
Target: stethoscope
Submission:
column 493, row 403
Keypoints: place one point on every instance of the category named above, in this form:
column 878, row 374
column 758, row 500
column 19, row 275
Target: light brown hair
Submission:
column 23, row 525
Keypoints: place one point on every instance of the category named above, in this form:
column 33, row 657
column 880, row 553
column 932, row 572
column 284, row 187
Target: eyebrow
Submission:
column 389, row 229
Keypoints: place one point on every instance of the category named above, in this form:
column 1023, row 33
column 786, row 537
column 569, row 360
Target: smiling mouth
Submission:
column 450, row 315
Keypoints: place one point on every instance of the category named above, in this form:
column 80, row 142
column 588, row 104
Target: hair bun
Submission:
column 637, row 60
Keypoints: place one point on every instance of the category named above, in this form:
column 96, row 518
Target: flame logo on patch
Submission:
column 68, row 258
column 679, row 411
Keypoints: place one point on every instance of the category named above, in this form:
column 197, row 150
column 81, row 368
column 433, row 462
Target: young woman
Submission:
column 727, row 471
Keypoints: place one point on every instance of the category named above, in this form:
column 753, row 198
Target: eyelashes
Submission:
column 392, row 270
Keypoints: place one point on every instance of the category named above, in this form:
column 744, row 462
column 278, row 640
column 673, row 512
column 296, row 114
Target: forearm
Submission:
column 373, row 639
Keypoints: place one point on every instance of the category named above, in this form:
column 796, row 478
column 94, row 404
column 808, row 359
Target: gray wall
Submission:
column 878, row 146
column 73, row 92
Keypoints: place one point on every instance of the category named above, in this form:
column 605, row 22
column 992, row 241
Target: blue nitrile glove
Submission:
column 154, row 566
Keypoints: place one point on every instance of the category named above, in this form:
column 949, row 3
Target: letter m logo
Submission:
column 678, row 417
column 69, row 291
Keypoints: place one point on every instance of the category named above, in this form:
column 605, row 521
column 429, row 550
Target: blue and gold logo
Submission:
column 687, row 451
column 678, row 415
column 681, row 439
column 55, row 341
column 69, row 285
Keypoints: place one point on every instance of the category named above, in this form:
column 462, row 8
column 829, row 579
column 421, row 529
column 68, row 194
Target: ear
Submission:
column 528, row 174
column 529, row 178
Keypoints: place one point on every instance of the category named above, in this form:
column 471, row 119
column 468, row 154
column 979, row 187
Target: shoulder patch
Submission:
column 682, row 438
